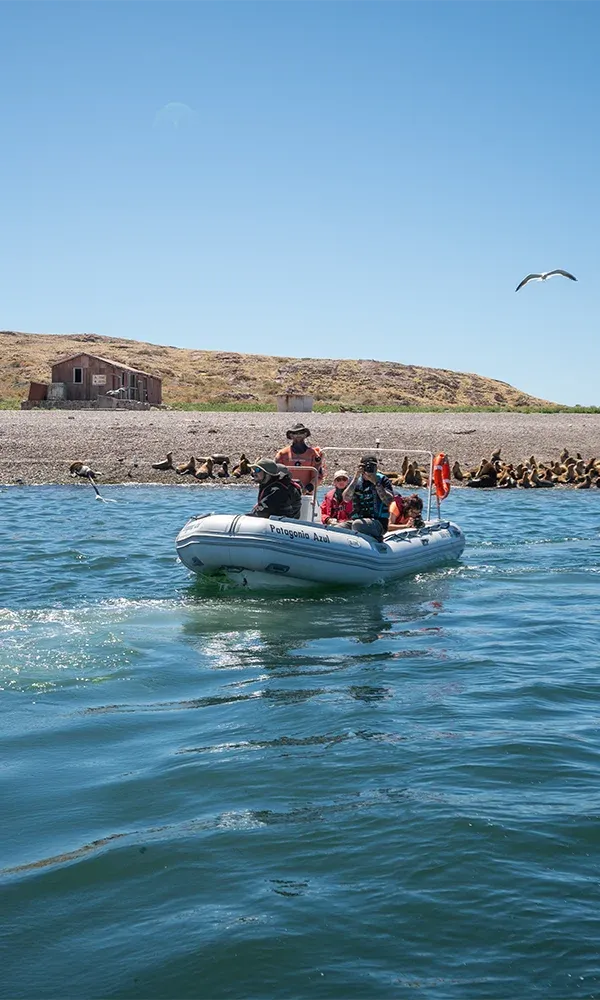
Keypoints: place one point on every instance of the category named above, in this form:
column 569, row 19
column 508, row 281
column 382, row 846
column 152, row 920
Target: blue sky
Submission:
column 343, row 180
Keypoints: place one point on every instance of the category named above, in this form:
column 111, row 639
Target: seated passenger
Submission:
column 406, row 512
column 278, row 496
column 371, row 494
column 334, row 509
column 298, row 453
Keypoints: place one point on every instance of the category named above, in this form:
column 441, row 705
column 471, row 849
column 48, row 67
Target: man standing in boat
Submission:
column 278, row 496
column 371, row 494
column 299, row 453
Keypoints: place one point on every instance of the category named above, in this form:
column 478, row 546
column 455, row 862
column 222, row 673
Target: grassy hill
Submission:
column 224, row 378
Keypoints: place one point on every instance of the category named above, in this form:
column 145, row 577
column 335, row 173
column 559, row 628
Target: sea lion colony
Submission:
column 490, row 473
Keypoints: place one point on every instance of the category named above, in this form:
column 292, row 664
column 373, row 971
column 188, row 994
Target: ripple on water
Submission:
column 356, row 794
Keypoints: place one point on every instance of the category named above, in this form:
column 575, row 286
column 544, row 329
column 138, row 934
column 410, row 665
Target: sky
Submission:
column 316, row 179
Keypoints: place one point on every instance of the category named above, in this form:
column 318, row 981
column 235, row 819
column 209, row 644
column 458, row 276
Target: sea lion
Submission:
column 243, row 469
column 167, row 463
column 535, row 479
column 187, row 467
column 206, row 470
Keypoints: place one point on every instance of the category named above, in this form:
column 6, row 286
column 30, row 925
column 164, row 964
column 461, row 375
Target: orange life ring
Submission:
column 441, row 476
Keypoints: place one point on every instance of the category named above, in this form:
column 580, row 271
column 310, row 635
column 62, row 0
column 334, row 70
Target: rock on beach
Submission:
column 37, row 446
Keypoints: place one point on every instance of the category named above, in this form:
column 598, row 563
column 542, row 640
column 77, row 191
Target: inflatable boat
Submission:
column 259, row 553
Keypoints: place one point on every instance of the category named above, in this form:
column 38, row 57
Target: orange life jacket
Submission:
column 312, row 457
column 397, row 514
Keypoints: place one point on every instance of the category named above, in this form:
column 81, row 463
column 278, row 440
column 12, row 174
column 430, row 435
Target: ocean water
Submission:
column 381, row 793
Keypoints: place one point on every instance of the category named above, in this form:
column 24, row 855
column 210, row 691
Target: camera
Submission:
column 369, row 466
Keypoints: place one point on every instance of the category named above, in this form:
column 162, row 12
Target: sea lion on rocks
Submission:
column 486, row 477
column 167, row 463
column 525, row 482
column 535, row 479
column 187, row 468
column 206, row 470
column 243, row 469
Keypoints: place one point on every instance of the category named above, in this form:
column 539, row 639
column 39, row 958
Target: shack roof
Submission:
column 107, row 361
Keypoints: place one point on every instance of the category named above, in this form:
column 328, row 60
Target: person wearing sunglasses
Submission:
column 278, row 495
column 334, row 509
column 301, row 458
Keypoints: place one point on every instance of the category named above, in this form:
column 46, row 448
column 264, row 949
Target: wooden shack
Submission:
column 88, row 377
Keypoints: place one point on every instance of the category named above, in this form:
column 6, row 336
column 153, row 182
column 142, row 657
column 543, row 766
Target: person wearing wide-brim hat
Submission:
column 278, row 496
column 297, row 430
column 302, row 458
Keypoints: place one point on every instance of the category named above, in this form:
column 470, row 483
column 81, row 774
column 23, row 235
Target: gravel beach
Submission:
column 37, row 446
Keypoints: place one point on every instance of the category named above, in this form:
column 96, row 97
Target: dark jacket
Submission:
column 278, row 498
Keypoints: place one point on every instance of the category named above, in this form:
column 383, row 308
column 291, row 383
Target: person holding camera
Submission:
column 406, row 512
column 371, row 494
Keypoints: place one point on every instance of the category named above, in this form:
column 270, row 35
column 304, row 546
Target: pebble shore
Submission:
column 37, row 446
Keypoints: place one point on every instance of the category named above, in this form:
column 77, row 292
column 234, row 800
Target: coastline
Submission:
column 37, row 446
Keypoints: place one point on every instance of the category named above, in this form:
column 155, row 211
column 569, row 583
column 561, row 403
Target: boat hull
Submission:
column 275, row 553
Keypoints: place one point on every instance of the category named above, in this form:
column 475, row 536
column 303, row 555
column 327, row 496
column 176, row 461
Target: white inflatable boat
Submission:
column 258, row 553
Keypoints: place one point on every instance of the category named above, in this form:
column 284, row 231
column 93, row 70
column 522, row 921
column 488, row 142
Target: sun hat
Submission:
column 267, row 465
column 341, row 474
column 297, row 429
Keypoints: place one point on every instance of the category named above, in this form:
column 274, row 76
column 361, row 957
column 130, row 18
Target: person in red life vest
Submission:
column 298, row 453
column 334, row 509
column 406, row 512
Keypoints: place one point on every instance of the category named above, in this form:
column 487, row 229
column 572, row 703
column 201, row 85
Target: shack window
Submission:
column 78, row 375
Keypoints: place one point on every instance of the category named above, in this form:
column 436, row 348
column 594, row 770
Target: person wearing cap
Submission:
column 334, row 509
column 371, row 494
column 278, row 496
column 299, row 453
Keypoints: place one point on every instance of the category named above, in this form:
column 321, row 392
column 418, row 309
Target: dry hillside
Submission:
column 220, row 377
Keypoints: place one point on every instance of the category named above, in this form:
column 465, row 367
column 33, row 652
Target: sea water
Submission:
column 369, row 793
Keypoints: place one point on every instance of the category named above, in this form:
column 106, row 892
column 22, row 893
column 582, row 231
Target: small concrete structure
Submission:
column 293, row 402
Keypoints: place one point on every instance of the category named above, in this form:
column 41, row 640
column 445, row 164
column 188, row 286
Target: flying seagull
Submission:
column 543, row 276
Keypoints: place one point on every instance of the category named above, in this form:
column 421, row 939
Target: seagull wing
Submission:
column 565, row 274
column 529, row 277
